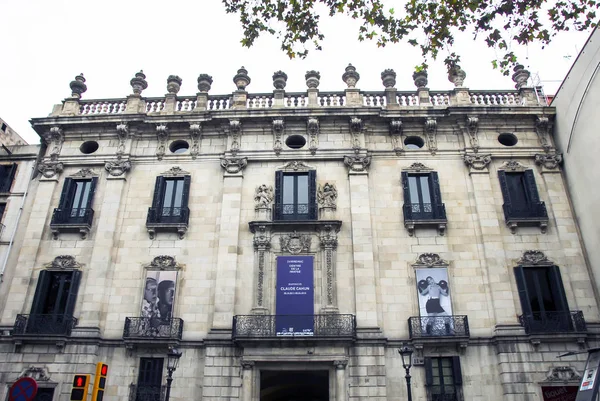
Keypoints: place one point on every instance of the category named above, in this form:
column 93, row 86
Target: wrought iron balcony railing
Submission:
column 295, row 211
column 168, row 215
column 269, row 326
column 438, row 326
column 68, row 217
column 424, row 211
column 146, row 393
column 48, row 325
column 152, row 328
column 443, row 397
column 553, row 322
column 530, row 211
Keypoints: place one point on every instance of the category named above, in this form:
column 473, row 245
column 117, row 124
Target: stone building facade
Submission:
column 9, row 136
column 288, row 244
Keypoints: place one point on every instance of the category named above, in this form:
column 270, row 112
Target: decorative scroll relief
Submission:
column 417, row 168
column 312, row 126
column 235, row 128
column 430, row 260
column 477, row 162
column 357, row 164
column 175, row 171
column 295, row 243
column 430, row 134
column 84, row 173
column 542, row 128
column 534, row 258
column 234, row 165
column 356, row 128
column 327, row 195
column 55, row 138
column 513, row 165
column 295, row 165
column 396, row 134
column 278, row 127
column 549, row 161
column 562, row 374
column 162, row 134
column 122, row 134
column 195, row 133
column 49, row 168
column 472, row 128
column 263, row 196
column 39, row 374
column 64, row 262
column 328, row 237
column 117, row 168
column 163, row 262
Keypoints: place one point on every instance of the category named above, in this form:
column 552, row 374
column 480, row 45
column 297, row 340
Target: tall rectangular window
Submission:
column 521, row 198
column 76, row 197
column 422, row 196
column 295, row 196
column 170, row 202
column 444, row 378
column 7, row 176
column 149, row 385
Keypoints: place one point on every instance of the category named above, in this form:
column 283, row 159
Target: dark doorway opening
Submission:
column 294, row 385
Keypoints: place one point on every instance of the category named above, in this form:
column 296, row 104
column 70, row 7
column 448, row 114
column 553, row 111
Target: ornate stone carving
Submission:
column 295, row 165
column 263, row 197
column 513, row 165
column 520, row 76
column 477, row 162
column 417, row 167
column 246, row 365
column 234, row 165
column 279, row 79
column 430, row 260
column 173, row 84
column 328, row 237
column 278, row 127
column 204, row 83
column 163, row 262
column 235, row 128
column 312, row 79
column 195, row 132
column 162, row 134
column 262, row 238
column 388, row 78
column 295, row 243
column 54, row 138
column 78, row 86
column 396, row 134
column 563, row 374
column 138, row 83
column 357, row 164
column 312, row 126
column 340, row 365
column 456, row 75
column 122, row 134
column 329, row 242
column 472, row 128
column 356, row 127
column 542, row 128
column 117, row 168
column 262, row 243
column 63, row 262
column 430, row 133
column 50, row 168
column 175, row 171
column 85, row 173
column 549, row 161
column 350, row 76
column 39, row 374
column 241, row 79
column 327, row 195
column 534, row 258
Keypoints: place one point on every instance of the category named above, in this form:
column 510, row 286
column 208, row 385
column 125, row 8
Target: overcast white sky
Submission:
column 45, row 43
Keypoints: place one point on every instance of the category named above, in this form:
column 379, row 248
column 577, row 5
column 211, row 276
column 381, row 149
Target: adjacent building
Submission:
column 289, row 244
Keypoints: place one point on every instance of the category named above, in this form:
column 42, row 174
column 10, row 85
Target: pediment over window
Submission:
column 296, row 165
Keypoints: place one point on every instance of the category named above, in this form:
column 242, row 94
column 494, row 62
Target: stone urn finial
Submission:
column 138, row 83
column 78, row 86
column 312, row 79
column 279, row 79
column 204, row 83
column 351, row 77
column 420, row 78
column 520, row 76
column 456, row 75
column 173, row 84
column 241, row 79
column 388, row 78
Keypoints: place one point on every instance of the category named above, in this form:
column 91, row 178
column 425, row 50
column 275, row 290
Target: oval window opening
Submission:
column 178, row 147
column 88, row 147
column 414, row 142
column 508, row 139
column 295, row 141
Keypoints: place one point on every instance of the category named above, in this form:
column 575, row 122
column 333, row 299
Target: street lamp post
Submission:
column 172, row 362
column 406, row 353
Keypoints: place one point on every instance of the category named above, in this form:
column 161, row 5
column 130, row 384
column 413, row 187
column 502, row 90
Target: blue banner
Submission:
column 295, row 304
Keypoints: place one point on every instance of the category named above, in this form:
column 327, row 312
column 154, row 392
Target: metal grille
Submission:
column 53, row 325
column 83, row 216
column 145, row 327
column 527, row 211
column 438, row 326
column 553, row 322
column 146, row 393
column 424, row 211
column 264, row 326
column 168, row 215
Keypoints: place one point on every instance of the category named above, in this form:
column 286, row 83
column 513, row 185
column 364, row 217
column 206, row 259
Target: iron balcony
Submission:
column 152, row 328
column 146, row 393
column 438, row 326
column 265, row 326
column 47, row 325
column 553, row 322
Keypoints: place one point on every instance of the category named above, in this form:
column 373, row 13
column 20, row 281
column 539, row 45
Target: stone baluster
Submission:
column 353, row 96
column 312, row 82
column 71, row 104
column 173, row 86
column 240, row 96
column 204, row 84
column 388, row 78
column 279, row 82
column 135, row 103
column 420, row 80
column 460, row 95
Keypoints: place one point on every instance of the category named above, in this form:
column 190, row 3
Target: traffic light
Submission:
column 80, row 387
column 99, row 381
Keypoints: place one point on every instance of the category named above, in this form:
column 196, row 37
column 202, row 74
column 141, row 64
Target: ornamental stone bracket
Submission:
column 162, row 135
column 430, row 260
column 63, row 262
column 513, row 165
column 39, row 374
column 195, row 134
column 396, row 129
column 327, row 200
column 163, row 262
column 50, row 169
column 278, row 127
column 357, row 164
column 328, row 237
column 356, row 130
column 549, row 162
column 472, row 128
column 312, row 127
column 562, row 375
column 534, row 258
column 417, row 168
column 123, row 134
column 235, row 132
column 263, row 202
column 175, row 171
column 54, row 138
column 117, row 169
column 296, row 165
column 478, row 164
column 430, row 133
column 542, row 128
column 234, row 165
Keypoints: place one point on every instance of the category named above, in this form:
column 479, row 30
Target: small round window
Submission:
column 508, row 139
column 295, row 141
column 414, row 142
column 179, row 147
column 88, row 147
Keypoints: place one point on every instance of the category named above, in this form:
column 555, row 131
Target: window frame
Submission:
column 311, row 214
column 533, row 211
column 7, row 180
column 456, row 377
column 172, row 218
column 415, row 213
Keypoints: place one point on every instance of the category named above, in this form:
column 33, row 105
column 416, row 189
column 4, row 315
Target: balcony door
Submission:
column 149, row 384
column 171, row 198
column 76, row 198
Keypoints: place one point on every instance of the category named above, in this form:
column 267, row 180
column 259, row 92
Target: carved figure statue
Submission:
column 327, row 195
column 263, row 196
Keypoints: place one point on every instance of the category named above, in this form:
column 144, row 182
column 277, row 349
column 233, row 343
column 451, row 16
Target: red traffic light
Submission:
column 104, row 370
column 79, row 381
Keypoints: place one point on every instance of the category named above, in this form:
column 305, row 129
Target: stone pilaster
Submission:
column 247, row 370
column 329, row 243
column 262, row 259
column 341, row 393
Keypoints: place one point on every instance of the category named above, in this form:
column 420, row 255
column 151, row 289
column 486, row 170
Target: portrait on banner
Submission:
column 435, row 307
column 157, row 301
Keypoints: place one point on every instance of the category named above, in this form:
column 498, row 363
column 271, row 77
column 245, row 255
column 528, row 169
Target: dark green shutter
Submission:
column 41, row 292
column 92, row 192
column 558, row 289
column 72, row 295
column 312, row 195
column 522, row 289
column 428, row 371
column 504, row 186
column 278, row 195
column 157, row 200
column 66, row 197
column 456, row 371
column 404, row 176
column 435, row 188
column 10, row 176
column 186, row 191
column 531, row 188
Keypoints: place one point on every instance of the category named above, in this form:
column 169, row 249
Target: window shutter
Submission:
column 158, row 192
column 186, row 191
column 532, row 192
column 92, row 192
column 428, row 370
column 404, row 177
column 278, row 194
column 504, row 186
column 10, row 176
column 41, row 291
column 312, row 195
column 66, row 198
column 522, row 288
column 456, row 371
column 72, row 296
column 435, row 188
column 556, row 284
